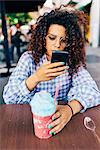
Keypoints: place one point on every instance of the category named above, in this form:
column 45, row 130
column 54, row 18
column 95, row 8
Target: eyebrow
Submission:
column 52, row 34
column 55, row 35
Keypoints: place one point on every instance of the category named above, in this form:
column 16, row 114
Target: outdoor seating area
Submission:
column 50, row 75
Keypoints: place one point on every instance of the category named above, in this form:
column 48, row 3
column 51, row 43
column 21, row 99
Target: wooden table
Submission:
column 16, row 131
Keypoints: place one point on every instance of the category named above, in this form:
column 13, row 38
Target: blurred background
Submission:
column 18, row 18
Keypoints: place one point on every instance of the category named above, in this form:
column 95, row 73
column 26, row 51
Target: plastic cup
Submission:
column 43, row 107
column 41, row 126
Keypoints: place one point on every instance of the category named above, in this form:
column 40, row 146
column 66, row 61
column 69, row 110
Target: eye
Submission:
column 63, row 40
column 51, row 38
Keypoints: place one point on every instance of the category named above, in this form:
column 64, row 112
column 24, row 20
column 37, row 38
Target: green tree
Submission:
column 21, row 18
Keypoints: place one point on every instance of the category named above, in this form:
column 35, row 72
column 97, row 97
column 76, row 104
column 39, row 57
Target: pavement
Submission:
column 93, row 63
column 93, row 66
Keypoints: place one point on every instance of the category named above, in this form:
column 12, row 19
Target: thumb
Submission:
column 47, row 63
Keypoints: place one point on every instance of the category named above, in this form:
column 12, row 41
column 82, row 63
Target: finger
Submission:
column 56, row 64
column 55, row 74
column 46, row 63
column 56, row 115
column 55, row 123
column 57, row 129
column 58, row 69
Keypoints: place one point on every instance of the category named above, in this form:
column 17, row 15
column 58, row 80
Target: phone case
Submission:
column 59, row 56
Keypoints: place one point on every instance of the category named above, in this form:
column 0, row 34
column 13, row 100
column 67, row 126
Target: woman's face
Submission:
column 55, row 39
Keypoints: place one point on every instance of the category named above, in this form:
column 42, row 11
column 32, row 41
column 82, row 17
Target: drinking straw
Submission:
column 56, row 93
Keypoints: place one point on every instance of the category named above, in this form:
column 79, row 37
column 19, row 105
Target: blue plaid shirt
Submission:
column 83, row 89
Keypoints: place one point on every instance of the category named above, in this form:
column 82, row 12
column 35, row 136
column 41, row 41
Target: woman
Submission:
column 57, row 30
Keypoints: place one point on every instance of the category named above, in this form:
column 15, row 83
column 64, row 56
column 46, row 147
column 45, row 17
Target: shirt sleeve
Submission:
column 84, row 90
column 15, row 91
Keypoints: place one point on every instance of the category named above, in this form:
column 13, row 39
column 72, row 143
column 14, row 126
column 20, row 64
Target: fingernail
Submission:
column 62, row 63
column 49, row 126
column 66, row 70
column 67, row 67
column 52, row 133
column 54, row 118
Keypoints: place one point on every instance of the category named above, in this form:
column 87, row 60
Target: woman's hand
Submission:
column 49, row 71
column 60, row 119
column 46, row 72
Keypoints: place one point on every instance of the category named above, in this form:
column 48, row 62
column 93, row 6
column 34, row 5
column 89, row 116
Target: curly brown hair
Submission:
column 74, row 39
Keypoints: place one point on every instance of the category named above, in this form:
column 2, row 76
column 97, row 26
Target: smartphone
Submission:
column 59, row 56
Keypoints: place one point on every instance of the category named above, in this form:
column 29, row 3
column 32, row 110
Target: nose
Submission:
column 57, row 43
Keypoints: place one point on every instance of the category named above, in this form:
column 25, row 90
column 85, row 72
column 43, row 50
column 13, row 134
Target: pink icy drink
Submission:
column 43, row 107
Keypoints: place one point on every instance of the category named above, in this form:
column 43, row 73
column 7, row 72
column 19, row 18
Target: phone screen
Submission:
column 59, row 56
